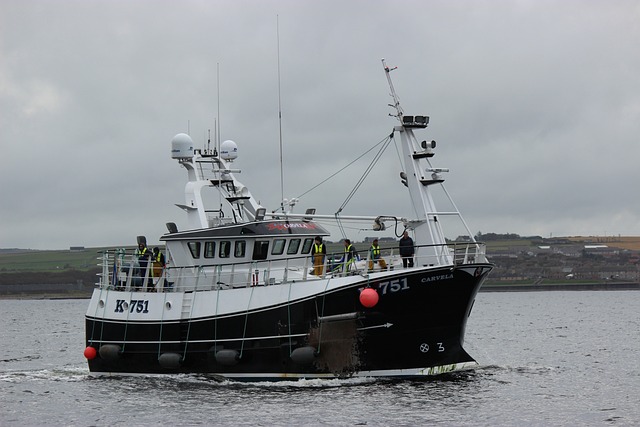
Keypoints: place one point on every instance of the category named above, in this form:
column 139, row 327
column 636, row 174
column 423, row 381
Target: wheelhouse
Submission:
column 245, row 243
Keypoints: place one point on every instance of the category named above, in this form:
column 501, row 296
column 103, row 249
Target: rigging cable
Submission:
column 349, row 164
column 382, row 146
column 395, row 144
column 280, row 118
column 95, row 314
column 324, row 296
column 246, row 320
column 340, row 226
column 366, row 173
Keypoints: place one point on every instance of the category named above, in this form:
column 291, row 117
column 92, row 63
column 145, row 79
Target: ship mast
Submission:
column 394, row 95
column 419, row 176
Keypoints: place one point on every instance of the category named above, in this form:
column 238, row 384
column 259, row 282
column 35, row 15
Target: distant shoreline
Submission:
column 604, row 286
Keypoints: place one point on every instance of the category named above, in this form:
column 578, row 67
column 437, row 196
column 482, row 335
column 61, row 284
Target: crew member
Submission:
column 158, row 264
column 406, row 250
column 319, row 254
column 374, row 256
column 143, row 254
column 350, row 255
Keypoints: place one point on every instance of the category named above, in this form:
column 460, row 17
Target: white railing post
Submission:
column 251, row 275
column 267, row 274
column 145, row 281
column 232, row 275
column 199, row 271
column 305, row 267
column 130, row 275
column 104, row 277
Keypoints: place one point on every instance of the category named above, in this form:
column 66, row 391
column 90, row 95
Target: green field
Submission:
column 49, row 261
column 28, row 261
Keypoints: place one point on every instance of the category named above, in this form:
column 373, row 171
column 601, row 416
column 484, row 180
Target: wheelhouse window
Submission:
column 294, row 244
column 194, row 248
column 278, row 247
column 306, row 247
column 225, row 249
column 260, row 249
column 240, row 249
column 209, row 249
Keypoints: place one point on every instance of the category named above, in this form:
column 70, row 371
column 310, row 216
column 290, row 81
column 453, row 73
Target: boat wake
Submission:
column 489, row 370
column 63, row 374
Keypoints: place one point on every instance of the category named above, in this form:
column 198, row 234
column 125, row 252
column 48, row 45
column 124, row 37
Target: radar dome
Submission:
column 181, row 146
column 228, row 150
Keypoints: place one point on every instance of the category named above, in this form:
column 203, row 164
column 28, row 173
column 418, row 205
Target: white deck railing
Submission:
column 122, row 271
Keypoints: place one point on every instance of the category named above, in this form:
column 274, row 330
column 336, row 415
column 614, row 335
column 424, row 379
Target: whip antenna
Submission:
column 218, row 121
column 280, row 116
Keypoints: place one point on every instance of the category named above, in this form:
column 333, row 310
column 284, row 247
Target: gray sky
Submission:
column 535, row 106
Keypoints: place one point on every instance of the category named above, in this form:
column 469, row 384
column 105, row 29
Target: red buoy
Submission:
column 369, row 297
column 90, row 353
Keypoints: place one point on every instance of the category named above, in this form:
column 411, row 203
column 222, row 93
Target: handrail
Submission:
column 265, row 272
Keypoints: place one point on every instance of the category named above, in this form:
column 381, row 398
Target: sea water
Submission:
column 546, row 358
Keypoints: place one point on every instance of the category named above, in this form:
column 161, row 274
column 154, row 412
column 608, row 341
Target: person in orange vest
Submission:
column 374, row 256
column 319, row 254
column 158, row 264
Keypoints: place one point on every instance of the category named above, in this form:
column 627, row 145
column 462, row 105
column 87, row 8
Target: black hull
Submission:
column 416, row 328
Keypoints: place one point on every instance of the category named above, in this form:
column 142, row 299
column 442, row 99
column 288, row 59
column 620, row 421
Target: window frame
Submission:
column 239, row 248
column 209, row 250
column 295, row 241
column 307, row 245
column 260, row 250
column 278, row 246
column 194, row 248
column 224, row 249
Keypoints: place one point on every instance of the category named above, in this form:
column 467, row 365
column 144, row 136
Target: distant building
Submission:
column 76, row 249
column 600, row 250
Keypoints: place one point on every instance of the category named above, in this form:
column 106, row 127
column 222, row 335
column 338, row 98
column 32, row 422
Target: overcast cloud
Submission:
column 535, row 106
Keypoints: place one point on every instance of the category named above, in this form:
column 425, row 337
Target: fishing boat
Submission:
column 238, row 295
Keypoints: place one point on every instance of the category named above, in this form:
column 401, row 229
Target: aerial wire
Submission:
column 343, row 168
column 280, row 116
column 217, row 140
column 218, row 121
